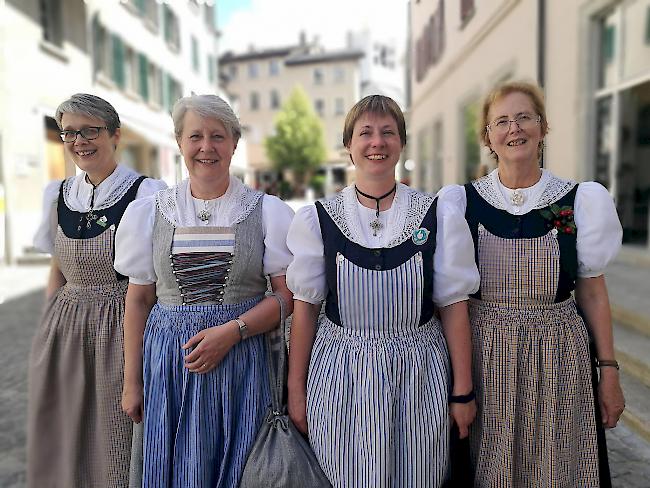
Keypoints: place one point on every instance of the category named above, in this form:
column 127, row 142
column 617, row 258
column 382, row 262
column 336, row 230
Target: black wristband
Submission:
column 462, row 398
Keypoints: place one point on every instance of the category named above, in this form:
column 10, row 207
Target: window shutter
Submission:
column 118, row 62
column 143, row 64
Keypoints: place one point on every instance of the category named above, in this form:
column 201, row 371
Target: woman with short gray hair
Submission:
column 77, row 435
column 198, row 256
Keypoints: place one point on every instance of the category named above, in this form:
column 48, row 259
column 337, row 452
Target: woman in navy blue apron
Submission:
column 198, row 256
column 537, row 238
column 371, row 382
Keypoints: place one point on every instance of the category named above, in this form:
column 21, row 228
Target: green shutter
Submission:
column 608, row 43
column 141, row 5
column 118, row 62
column 166, row 83
column 195, row 54
column 166, row 23
column 97, row 45
column 143, row 64
column 647, row 25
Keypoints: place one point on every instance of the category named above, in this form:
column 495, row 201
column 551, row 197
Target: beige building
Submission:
column 140, row 55
column 591, row 56
column 259, row 81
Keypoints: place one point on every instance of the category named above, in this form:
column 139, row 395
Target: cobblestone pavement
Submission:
column 20, row 307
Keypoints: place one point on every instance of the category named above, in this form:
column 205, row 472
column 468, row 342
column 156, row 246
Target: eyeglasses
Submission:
column 88, row 133
column 523, row 121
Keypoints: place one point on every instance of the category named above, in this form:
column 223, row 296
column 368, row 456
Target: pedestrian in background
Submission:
column 198, row 256
column 537, row 238
column 370, row 384
column 77, row 434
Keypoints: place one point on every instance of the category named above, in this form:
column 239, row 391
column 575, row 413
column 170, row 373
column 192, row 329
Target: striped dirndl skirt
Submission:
column 199, row 428
column 377, row 406
column 535, row 425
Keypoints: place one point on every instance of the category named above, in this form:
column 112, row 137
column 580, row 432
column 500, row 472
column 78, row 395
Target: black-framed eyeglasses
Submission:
column 523, row 121
column 88, row 133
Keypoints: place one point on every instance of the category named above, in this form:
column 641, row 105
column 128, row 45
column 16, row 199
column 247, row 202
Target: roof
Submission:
column 325, row 56
column 231, row 57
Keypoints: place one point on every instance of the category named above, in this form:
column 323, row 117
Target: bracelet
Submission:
column 462, row 398
column 243, row 328
column 604, row 363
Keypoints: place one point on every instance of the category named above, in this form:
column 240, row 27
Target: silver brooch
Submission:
column 517, row 197
column 420, row 236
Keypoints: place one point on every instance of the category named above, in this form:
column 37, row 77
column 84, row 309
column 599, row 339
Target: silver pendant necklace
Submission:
column 376, row 224
column 204, row 214
column 517, row 197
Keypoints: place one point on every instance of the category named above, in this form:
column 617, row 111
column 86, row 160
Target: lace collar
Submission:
column 77, row 192
column 177, row 205
column 550, row 189
column 409, row 208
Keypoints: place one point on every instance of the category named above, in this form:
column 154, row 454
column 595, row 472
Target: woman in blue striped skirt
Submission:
column 204, row 248
column 371, row 383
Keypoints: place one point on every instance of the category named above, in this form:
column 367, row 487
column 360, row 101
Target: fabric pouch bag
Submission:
column 281, row 457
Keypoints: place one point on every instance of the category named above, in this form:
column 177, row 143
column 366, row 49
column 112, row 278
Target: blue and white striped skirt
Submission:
column 377, row 406
column 199, row 428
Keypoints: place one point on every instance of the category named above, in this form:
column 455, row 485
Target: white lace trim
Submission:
column 409, row 208
column 123, row 180
column 554, row 189
column 172, row 206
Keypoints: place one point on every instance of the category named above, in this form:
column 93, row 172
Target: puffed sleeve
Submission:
column 599, row 230
column 276, row 216
column 44, row 237
column 306, row 273
column 455, row 275
column 149, row 186
column 134, row 242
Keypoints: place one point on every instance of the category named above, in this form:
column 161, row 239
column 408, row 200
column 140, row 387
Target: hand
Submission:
column 210, row 346
column 462, row 414
column 132, row 401
column 297, row 406
column 610, row 397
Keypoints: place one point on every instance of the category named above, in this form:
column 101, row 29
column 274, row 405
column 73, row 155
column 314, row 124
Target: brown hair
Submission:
column 377, row 104
column 498, row 92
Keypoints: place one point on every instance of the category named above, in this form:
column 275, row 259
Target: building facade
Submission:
column 140, row 55
column 260, row 80
column 592, row 58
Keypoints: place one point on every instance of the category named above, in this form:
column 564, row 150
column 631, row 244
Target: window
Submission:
column 211, row 69
column 339, row 75
column 466, row 11
column 274, row 67
column 155, row 85
column 130, row 74
column 319, row 106
column 232, row 71
column 318, row 76
column 152, row 13
column 471, row 149
column 172, row 91
column 275, row 100
column 171, row 29
column 253, row 70
column 339, row 106
column 51, row 21
column 195, row 54
column 209, row 15
column 431, row 43
column 101, row 52
column 254, row 101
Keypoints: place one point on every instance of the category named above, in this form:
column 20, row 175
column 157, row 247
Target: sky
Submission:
column 277, row 23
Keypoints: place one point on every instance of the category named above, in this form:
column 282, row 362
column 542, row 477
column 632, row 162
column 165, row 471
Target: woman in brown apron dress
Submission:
column 537, row 239
column 77, row 434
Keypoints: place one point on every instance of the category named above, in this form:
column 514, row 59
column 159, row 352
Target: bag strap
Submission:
column 276, row 357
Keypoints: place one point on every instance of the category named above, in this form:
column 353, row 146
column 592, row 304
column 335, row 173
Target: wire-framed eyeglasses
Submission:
column 88, row 133
column 524, row 121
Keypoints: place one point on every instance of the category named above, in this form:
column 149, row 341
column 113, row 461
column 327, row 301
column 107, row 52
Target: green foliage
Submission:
column 298, row 144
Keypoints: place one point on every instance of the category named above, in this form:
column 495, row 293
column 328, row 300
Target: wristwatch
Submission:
column 243, row 328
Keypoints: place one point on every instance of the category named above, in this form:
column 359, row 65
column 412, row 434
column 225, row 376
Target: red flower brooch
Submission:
column 559, row 218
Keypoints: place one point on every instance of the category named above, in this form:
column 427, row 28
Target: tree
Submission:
column 298, row 144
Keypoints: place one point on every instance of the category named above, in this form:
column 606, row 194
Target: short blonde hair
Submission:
column 210, row 106
column 377, row 104
column 529, row 89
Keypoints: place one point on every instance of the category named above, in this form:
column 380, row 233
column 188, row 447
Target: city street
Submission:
column 21, row 300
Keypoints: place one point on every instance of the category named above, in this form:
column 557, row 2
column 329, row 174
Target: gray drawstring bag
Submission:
column 280, row 457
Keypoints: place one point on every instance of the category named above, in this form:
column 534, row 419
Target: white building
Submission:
column 591, row 56
column 140, row 55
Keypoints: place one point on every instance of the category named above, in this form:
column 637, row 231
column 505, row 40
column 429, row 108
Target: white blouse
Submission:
column 134, row 237
column 77, row 196
column 599, row 235
column 455, row 274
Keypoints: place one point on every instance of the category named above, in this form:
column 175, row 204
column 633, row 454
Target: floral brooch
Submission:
column 559, row 218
